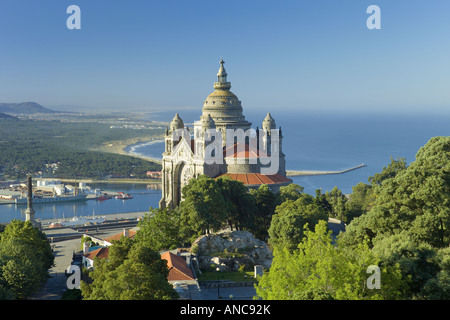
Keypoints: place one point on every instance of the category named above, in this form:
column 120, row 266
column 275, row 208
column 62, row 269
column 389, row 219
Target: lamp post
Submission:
column 218, row 283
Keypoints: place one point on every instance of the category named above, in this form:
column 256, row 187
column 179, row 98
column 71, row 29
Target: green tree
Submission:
column 240, row 204
column 6, row 293
column 266, row 202
column 319, row 270
column 24, row 232
column 360, row 202
column 388, row 172
column 293, row 208
column 160, row 229
column 203, row 205
column 290, row 192
column 135, row 281
column 25, row 257
column 321, row 200
column 438, row 287
column 415, row 199
column 337, row 200
column 421, row 265
column 306, row 206
column 409, row 222
column 132, row 271
column 286, row 230
column 20, row 268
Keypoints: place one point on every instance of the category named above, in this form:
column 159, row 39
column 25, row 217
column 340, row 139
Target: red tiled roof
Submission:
column 131, row 234
column 256, row 178
column 178, row 270
column 100, row 253
column 248, row 151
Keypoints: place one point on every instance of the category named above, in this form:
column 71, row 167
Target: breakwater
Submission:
column 296, row 173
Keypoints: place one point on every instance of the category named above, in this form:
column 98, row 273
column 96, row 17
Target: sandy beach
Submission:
column 131, row 150
column 120, row 147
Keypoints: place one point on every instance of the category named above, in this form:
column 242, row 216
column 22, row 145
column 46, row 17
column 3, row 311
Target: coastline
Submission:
column 121, row 146
column 112, row 180
column 130, row 149
column 124, row 147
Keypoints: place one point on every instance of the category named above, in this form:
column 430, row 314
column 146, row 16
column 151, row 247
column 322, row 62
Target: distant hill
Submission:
column 24, row 108
column 6, row 116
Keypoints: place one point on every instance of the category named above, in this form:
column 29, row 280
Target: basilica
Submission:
column 221, row 144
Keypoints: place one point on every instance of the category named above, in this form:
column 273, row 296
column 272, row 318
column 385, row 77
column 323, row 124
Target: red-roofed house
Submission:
column 128, row 233
column 108, row 241
column 103, row 251
column 179, row 271
column 88, row 258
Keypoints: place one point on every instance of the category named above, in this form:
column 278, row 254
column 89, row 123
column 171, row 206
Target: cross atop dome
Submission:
column 222, row 83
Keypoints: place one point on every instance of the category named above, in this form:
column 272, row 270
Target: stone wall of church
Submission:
column 233, row 166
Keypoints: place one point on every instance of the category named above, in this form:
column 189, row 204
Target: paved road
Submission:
column 63, row 250
column 238, row 293
column 56, row 284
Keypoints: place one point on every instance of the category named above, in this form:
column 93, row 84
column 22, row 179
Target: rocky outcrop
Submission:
column 230, row 250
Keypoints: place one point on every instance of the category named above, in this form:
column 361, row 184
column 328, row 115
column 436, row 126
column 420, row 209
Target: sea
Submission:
column 311, row 141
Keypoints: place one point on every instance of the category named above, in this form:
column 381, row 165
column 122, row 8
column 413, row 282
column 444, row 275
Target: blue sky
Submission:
column 283, row 55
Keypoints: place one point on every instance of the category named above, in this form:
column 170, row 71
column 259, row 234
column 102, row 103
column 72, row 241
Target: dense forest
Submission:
column 28, row 146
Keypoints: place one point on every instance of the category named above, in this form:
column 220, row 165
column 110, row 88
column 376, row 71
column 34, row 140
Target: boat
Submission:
column 37, row 200
column 101, row 198
column 124, row 196
column 78, row 221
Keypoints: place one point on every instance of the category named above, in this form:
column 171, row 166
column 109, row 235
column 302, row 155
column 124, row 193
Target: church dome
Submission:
column 222, row 104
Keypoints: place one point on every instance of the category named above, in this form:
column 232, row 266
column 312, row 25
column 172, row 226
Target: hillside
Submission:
column 6, row 116
column 23, row 108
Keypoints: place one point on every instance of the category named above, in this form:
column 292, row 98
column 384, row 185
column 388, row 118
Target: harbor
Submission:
column 143, row 196
column 61, row 230
column 54, row 191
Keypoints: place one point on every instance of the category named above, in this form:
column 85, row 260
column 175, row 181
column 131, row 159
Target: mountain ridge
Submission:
column 24, row 108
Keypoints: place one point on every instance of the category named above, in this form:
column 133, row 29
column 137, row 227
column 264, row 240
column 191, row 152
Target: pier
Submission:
column 297, row 173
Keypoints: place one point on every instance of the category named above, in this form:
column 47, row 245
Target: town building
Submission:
column 101, row 250
column 179, row 269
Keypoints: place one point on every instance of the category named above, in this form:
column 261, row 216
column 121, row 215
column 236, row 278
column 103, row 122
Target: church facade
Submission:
column 222, row 144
